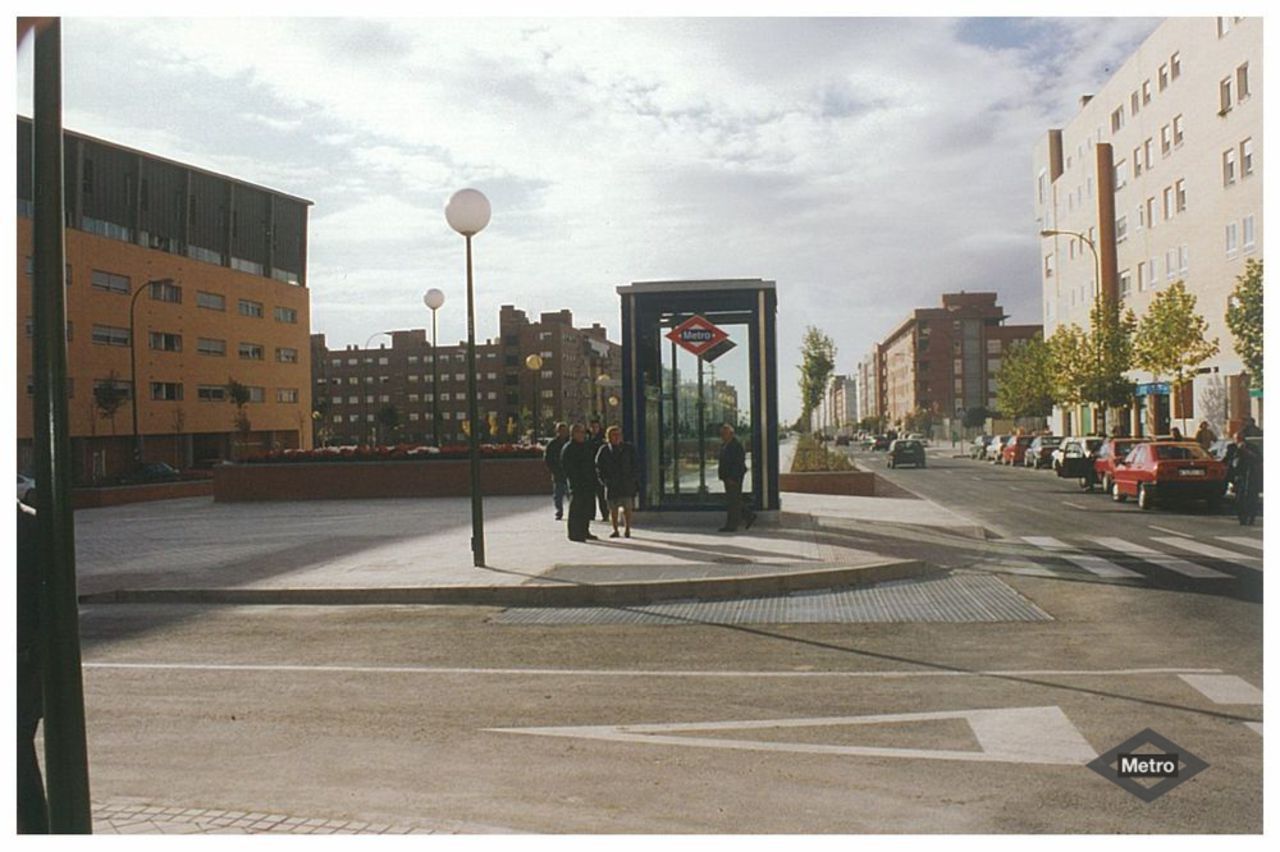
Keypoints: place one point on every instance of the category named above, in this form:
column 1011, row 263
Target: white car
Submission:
column 26, row 485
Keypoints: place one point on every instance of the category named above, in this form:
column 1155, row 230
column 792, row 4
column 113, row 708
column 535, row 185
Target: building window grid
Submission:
column 109, row 282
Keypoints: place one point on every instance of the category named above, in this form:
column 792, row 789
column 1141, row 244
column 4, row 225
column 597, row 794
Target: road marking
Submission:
column 1173, row 532
column 1256, row 727
column 1013, row 488
column 1212, row 552
column 1087, row 561
column 1242, row 541
column 1224, row 688
column 457, row 670
column 1035, row 735
column 1074, row 505
column 1164, row 560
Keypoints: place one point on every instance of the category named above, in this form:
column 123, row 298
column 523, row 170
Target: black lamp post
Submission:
column 534, row 363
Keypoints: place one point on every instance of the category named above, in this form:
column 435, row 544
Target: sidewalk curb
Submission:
column 537, row 594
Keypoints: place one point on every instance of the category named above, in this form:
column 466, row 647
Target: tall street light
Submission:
column 133, row 363
column 534, row 363
column 434, row 299
column 366, row 396
column 467, row 212
column 1097, row 279
column 602, row 381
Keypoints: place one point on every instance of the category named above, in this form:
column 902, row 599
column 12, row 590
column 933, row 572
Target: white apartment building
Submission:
column 1162, row 171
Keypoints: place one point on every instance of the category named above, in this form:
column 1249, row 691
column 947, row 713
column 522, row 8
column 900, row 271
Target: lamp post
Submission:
column 133, row 364
column 602, row 381
column 365, row 396
column 1097, row 280
column 434, row 299
column 467, row 212
column 534, row 363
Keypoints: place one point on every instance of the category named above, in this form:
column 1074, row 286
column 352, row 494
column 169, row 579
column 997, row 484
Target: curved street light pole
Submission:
column 133, row 364
column 1097, row 282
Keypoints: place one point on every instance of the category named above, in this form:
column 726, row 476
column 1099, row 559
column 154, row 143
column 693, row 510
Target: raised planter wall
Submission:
column 854, row 483
column 371, row 480
column 96, row 498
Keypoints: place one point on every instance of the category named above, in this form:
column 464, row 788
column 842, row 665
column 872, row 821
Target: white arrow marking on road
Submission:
column 1211, row 551
column 1164, row 560
column 1087, row 561
column 1224, row 689
column 1242, row 541
column 1034, row 735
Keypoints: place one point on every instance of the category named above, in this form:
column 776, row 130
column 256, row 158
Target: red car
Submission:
column 1014, row 451
column 1168, row 470
column 1104, row 462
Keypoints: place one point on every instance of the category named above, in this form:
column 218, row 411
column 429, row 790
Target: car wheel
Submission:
column 1115, row 493
column 1144, row 497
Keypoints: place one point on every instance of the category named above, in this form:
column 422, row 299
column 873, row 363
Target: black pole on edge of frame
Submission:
column 66, row 754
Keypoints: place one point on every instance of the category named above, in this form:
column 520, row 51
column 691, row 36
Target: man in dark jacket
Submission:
column 1244, row 468
column 579, row 466
column 616, row 468
column 596, row 440
column 551, row 456
column 732, row 470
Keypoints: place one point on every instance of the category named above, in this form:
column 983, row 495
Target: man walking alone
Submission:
column 579, row 468
column 732, row 470
column 551, row 457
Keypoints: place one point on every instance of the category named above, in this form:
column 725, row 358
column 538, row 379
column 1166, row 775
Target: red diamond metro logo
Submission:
column 697, row 335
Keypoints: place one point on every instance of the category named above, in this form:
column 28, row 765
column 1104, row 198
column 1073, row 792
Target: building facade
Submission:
column 198, row 279
column 1161, row 171
column 390, row 394
column 842, row 402
column 944, row 361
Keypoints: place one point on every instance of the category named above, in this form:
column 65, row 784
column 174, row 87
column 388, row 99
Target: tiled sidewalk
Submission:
column 134, row 818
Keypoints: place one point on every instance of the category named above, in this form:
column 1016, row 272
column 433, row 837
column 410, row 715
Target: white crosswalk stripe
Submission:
column 1224, row 688
column 1164, row 560
column 1087, row 561
column 1242, row 541
column 1211, row 551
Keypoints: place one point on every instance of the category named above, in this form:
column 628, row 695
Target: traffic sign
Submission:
column 697, row 335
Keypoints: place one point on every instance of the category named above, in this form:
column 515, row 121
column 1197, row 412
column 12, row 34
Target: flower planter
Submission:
column 855, row 483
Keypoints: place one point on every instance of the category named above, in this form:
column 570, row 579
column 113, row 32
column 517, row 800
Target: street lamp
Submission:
column 133, row 364
column 434, row 299
column 1097, row 282
column 602, row 381
column 534, row 363
column 467, row 212
column 366, row 396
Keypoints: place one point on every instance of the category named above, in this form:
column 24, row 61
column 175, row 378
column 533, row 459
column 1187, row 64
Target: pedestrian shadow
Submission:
column 712, row 552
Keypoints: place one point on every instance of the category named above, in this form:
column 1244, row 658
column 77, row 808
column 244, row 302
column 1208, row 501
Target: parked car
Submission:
column 1015, row 448
column 1074, row 459
column 1040, row 453
column 1169, row 470
column 1104, row 460
column 881, row 442
column 26, row 489
column 906, row 451
column 996, row 447
column 978, row 448
column 149, row 472
column 917, row 436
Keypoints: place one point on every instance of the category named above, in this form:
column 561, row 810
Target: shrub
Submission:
column 812, row 457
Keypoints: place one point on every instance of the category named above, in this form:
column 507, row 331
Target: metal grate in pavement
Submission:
column 955, row 598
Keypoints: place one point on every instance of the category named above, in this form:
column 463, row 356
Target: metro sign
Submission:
column 697, row 335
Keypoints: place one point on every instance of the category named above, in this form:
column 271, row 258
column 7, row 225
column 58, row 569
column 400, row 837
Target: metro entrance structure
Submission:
column 696, row 354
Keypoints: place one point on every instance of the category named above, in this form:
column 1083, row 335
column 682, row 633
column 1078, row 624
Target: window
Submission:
column 548, row 394
column 166, row 291
column 1229, row 167
column 353, row 400
column 169, row 391
column 1180, row 194
column 1247, row 234
column 1246, row 158
column 286, row 315
column 1163, row 77
column 1175, row 66
column 286, row 355
column 1133, row 104
column 1168, row 203
column 122, row 387
column 165, row 342
column 110, row 335
column 1137, row 162
column 1166, row 141
column 211, row 393
column 1224, row 26
column 1242, row 83
column 413, row 359
column 1146, row 92
column 413, row 377
column 353, row 380
column 1117, row 119
column 383, row 361
column 460, row 377
column 249, row 308
column 1122, row 229
column 1151, row 212
column 1171, row 264
column 1177, row 130
column 286, row 394
column 1148, row 160
column 1144, row 276
column 1224, row 96
column 414, row 416
column 251, row 351
column 1184, row 259
column 212, row 301
column 444, row 397
column 211, row 346
column 1126, row 283
column 1122, row 174
column 1233, row 239
column 109, row 281
column 257, row 394
column 1048, row 266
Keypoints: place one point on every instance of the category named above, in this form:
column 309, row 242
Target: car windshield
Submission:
column 1025, row 440
column 908, row 445
column 1050, row 441
column 1176, row 452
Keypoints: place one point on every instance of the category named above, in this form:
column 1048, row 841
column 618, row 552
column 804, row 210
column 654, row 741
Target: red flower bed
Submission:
column 399, row 452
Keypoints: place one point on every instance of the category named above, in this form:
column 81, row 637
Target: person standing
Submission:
column 1246, row 472
column 580, row 470
column 596, row 440
column 551, row 456
column 1250, row 428
column 732, row 470
column 1205, row 436
column 616, row 469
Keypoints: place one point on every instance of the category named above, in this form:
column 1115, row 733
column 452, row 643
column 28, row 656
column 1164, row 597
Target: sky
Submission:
column 867, row 165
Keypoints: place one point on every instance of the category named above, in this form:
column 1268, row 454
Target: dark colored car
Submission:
column 881, row 442
column 1104, row 461
column 1015, row 448
column 1169, row 470
column 1040, row 453
column 906, row 451
column 150, row 472
column 1074, row 459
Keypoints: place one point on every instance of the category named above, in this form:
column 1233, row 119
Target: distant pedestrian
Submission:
column 1205, row 436
column 551, row 456
column 1175, row 433
column 617, row 469
column 1250, row 428
column 33, row 810
column 1245, row 470
column 579, row 469
column 732, row 470
column 596, row 440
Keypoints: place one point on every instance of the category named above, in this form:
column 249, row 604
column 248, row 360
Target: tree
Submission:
column 819, row 361
column 1071, row 364
column 1111, row 349
column 921, row 420
column 976, row 417
column 1244, row 318
column 239, row 396
column 108, row 396
column 1026, row 381
column 1171, row 339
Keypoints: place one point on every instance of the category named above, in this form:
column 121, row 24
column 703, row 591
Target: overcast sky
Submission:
column 865, row 164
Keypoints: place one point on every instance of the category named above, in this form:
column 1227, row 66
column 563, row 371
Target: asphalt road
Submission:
column 397, row 714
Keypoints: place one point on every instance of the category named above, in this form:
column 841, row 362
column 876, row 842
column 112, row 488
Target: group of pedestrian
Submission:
column 597, row 469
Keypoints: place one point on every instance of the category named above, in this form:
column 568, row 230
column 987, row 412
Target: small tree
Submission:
column 1244, row 318
column 1171, row 339
column 1070, row 361
column 239, row 396
column 818, row 355
column 1111, row 350
column 1026, row 382
column 108, row 396
column 976, row 417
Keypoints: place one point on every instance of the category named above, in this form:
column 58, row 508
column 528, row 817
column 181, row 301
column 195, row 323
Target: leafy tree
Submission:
column 976, row 417
column 1244, row 318
column 921, row 420
column 239, row 395
column 1111, row 347
column 1026, row 379
column 1071, row 362
column 108, row 396
column 818, row 355
column 1171, row 339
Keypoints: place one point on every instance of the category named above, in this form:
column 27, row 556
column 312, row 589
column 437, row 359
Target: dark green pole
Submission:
column 473, row 415
column 66, row 755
